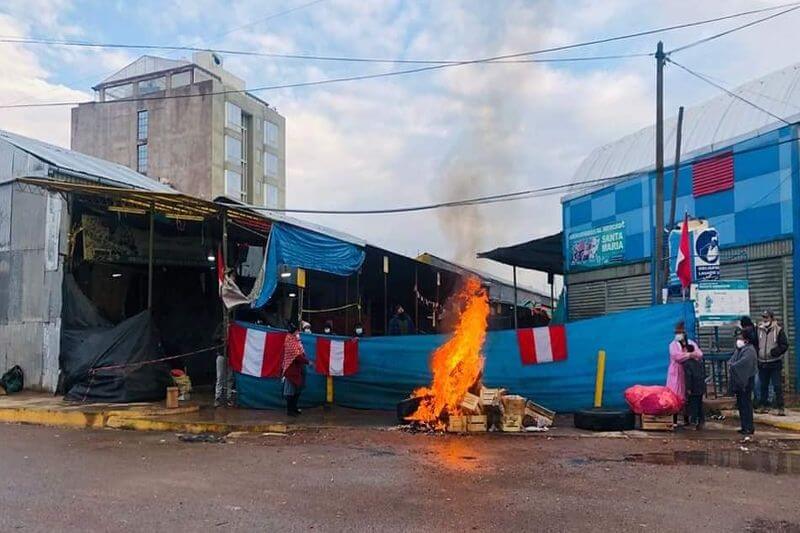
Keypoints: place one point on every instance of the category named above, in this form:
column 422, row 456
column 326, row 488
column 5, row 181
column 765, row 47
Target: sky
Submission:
column 407, row 140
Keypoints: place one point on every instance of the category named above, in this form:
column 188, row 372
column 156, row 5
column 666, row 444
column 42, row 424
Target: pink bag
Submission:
column 653, row 400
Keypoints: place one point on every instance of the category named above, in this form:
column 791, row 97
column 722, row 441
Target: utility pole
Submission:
column 658, row 254
column 676, row 169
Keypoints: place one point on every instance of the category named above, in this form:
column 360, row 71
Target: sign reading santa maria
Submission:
column 718, row 303
column 597, row 246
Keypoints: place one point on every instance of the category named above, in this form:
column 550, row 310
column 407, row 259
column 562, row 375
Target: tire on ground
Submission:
column 604, row 419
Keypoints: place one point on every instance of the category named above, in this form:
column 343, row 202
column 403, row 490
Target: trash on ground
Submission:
column 202, row 437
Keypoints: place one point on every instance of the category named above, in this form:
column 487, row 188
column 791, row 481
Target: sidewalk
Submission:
column 790, row 422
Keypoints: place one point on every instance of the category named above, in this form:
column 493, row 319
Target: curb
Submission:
column 177, row 426
column 785, row 425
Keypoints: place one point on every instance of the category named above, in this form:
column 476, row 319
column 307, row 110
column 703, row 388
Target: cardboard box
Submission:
column 511, row 423
column 476, row 423
column 457, row 424
column 471, row 404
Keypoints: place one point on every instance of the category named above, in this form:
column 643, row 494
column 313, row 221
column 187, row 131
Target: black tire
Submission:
column 407, row 408
column 604, row 420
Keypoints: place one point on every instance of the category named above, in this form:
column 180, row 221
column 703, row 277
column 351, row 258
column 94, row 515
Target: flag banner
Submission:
column 713, row 174
column 336, row 357
column 542, row 345
column 255, row 352
column 683, row 264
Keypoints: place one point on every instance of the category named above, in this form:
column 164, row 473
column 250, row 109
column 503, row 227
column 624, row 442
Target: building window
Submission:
column 233, row 115
column 233, row 149
column 142, row 158
column 270, row 134
column 233, row 184
column 119, row 91
column 153, row 86
column 142, row 125
column 181, row 79
column 270, row 164
column 270, row 195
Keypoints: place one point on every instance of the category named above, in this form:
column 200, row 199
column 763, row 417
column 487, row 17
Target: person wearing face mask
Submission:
column 742, row 370
column 401, row 323
column 305, row 326
column 358, row 330
column 293, row 369
column 328, row 328
column 681, row 349
column 772, row 344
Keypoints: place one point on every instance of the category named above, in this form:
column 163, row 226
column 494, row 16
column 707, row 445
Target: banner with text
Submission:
column 597, row 246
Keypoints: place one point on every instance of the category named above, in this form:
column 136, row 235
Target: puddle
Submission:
column 768, row 462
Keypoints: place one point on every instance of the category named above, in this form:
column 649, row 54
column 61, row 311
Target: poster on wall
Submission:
column 704, row 243
column 597, row 246
column 718, row 303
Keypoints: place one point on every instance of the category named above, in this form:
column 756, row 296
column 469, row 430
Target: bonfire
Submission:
column 457, row 365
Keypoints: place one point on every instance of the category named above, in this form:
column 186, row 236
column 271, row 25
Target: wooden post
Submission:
column 599, row 379
column 225, row 314
column 385, row 294
column 675, row 172
column 658, row 255
column 150, row 240
column 516, row 324
column 416, row 299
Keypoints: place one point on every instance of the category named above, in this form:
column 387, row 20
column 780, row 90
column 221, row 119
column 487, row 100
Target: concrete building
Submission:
column 749, row 196
column 173, row 120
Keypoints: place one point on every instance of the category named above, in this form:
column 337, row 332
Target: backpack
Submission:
column 13, row 380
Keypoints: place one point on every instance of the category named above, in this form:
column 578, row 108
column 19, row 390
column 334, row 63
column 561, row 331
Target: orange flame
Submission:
column 457, row 364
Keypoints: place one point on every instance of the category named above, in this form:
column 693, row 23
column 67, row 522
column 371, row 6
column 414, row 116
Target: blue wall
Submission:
column 759, row 207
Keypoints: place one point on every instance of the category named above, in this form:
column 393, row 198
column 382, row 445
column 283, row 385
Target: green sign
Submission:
column 718, row 303
column 597, row 246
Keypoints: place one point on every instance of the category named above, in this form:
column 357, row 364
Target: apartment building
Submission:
column 190, row 124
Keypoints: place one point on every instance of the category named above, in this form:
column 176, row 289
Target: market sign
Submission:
column 720, row 303
column 597, row 246
column 705, row 255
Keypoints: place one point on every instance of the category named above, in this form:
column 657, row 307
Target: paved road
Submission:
column 366, row 479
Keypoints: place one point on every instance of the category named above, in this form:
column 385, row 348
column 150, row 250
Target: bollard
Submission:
column 329, row 390
column 598, row 384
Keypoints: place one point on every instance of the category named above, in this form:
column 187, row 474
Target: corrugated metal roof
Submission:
column 712, row 125
column 103, row 171
column 144, row 65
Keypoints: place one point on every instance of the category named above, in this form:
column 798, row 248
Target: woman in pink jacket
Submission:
column 680, row 350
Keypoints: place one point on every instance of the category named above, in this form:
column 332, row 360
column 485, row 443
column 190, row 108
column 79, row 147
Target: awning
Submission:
column 544, row 254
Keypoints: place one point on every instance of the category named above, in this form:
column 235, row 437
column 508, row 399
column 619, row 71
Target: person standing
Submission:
column 772, row 344
column 681, row 349
column 401, row 323
column 293, row 369
column 223, row 387
column 742, row 370
column 358, row 330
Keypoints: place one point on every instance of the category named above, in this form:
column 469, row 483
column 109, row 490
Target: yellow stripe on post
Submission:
column 598, row 384
column 329, row 389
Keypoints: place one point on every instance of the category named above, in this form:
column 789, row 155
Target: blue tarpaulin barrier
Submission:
column 391, row 367
column 301, row 248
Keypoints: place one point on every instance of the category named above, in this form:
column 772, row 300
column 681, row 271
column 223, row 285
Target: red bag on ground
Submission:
column 653, row 400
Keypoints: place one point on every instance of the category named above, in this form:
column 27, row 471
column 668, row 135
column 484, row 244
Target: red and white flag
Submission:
column 683, row 262
column 542, row 345
column 255, row 352
column 336, row 357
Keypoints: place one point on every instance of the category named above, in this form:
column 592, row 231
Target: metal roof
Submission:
column 92, row 168
column 710, row 126
column 144, row 65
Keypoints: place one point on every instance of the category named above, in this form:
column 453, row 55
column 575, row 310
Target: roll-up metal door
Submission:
column 628, row 293
column 586, row 300
column 617, row 289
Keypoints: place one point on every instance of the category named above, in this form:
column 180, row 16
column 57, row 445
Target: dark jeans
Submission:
column 696, row 414
column 771, row 373
column 291, row 404
column 744, row 402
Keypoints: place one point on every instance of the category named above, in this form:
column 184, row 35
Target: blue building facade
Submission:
column 756, row 218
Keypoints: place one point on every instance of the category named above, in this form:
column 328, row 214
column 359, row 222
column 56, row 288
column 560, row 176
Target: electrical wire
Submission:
column 732, row 30
column 433, row 67
column 731, row 93
column 438, row 62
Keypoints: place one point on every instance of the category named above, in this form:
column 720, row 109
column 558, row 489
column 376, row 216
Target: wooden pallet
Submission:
column 656, row 423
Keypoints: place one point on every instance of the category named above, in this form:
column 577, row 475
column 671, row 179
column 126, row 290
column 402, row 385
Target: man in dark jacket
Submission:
column 742, row 367
column 401, row 323
column 772, row 344
column 695, row 379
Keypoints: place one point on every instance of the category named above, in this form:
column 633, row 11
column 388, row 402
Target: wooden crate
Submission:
column 511, row 423
column 471, row 403
column 457, row 424
column 491, row 396
column 476, row 423
column 513, row 405
column 656, row 423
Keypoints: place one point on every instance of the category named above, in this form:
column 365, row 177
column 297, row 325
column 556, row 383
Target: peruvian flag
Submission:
column 220, row 269
column 336, row 357
column 542, row 345
column 255, row 352
column 683, row 263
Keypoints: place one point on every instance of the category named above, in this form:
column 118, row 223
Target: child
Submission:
column 695, row 378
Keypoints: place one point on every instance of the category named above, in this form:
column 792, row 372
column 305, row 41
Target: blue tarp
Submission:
column 391, row 367
column 301, row 248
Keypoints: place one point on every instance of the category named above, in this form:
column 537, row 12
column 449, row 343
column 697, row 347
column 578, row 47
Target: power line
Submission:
column 412, row 70
column 731, row 93
column 445, row 62
column 732, row 30
column 265, row 19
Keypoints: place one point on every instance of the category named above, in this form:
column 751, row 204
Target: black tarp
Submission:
column 101, row 362
column 544, row 254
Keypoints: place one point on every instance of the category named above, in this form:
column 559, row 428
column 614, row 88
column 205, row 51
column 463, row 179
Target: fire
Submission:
column 456, row 365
